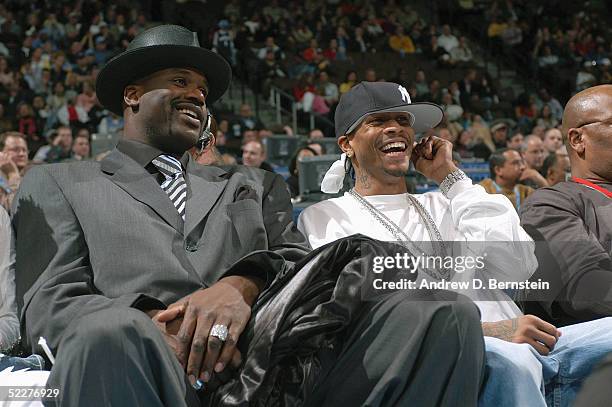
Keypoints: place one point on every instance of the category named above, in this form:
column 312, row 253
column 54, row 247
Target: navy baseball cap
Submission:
column 380, row 97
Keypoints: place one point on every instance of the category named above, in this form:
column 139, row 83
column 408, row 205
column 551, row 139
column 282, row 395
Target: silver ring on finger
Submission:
column 220, row 332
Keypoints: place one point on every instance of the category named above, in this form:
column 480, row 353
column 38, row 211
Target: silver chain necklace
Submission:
column 400, row 236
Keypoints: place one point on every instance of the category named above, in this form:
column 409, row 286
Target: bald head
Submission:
column 587, row 124
column 589, row 106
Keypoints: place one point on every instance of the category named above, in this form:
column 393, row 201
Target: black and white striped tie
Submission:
column 174, row 185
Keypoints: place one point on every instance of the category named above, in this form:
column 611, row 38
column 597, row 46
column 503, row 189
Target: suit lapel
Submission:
column 143, row 187
column 206, row 185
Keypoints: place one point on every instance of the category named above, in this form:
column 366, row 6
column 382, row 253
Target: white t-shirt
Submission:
column 487, row 223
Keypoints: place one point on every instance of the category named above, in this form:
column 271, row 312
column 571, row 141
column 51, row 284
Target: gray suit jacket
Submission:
column 96, row 235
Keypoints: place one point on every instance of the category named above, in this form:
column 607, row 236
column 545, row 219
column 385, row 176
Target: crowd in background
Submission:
column 51, row 53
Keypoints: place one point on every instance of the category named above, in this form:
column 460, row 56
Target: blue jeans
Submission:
column 517, row 375
column 32, row 362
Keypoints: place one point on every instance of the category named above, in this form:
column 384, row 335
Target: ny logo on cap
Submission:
column 404, row 93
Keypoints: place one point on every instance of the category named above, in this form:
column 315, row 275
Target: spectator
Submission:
column 340, row 44
column 293, row 181
column 33, row 70
column 499, row 133
column 556, row 168
column 72, row 115
column 552, row 141
column 546, row 118
column 301, row 34
column 58, row 98
column 539, row 131
column 270, row 46
column 268, row 70
column 349, row 82
column 401, row 42
column 328, row 89
column 73, row 84
column 370, row 75
column 422, row 87
column 315, row 134
column 254, row 155
column 506, row 166
column 42, row 114
column 86, row 99
column 59, row 149
column 585, row 78
column 469, row 88
column 101, row 54
column 437, row 53
column 246, row 120
column 447, row 40
column 313, row 55
column 547, row 60
column 59, row 67
column 515, row 142
column 223, row 42
column 14, row 145
column 317, row 147
column 361, row 41
column 80, row 146
column 534, row 155
column 452, row 110
column 13, row 161
column 303, row 85
column 463, row 144
column 373, row 27
column 461, row 54
column 526, row 111
column 274, row 11
column 26, row 123
column 555, row 107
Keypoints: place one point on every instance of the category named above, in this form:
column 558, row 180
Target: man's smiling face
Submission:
column 172, row 108
column 383, row 144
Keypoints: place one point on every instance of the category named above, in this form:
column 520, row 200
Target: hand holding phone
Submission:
column 433, row 157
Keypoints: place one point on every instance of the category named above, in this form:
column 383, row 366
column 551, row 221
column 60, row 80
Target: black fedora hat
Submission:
column 158, row 48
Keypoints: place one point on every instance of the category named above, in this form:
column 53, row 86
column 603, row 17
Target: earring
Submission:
column 349, row 153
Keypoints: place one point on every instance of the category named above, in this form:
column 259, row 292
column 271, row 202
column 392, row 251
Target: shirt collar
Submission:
column 143, row 153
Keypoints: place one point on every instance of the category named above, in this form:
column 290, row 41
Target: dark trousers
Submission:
column 398, row 352
column 403, row 352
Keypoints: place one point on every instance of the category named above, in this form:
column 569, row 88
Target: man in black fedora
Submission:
column 153, row 278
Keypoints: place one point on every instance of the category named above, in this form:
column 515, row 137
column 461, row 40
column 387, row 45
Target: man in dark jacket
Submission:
column 574, row 218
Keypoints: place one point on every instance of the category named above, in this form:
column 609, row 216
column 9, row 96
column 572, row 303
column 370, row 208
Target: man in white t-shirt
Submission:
column 376, row 124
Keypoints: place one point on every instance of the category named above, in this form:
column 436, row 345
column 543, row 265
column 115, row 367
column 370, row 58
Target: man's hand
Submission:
column 228, row 303
column 534, row 176
column 168, row 329
column 7, row 166
column 525, row 329
column 433, row 157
